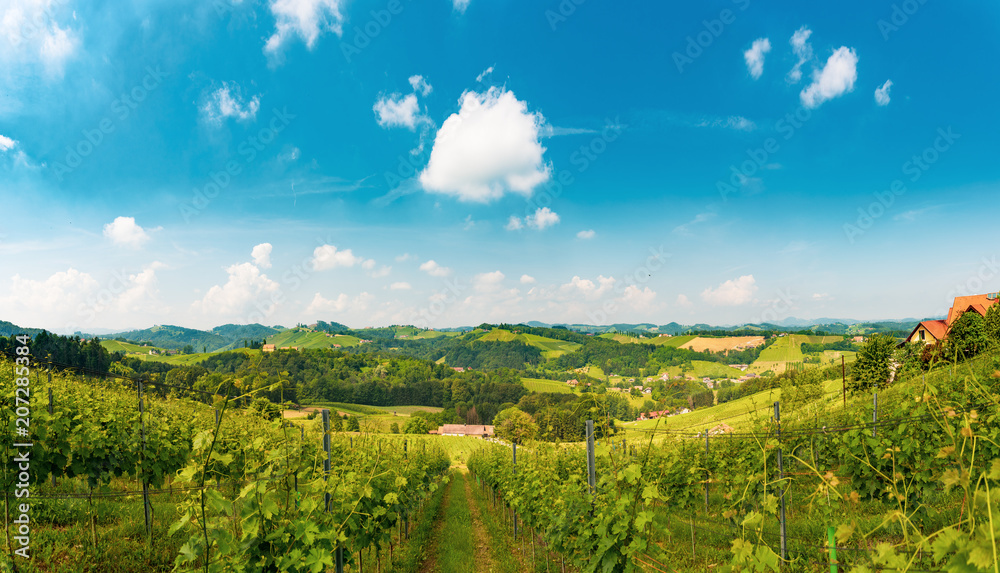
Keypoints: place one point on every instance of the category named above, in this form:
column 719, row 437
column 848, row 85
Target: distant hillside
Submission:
column 226, row 337
column 9, row 328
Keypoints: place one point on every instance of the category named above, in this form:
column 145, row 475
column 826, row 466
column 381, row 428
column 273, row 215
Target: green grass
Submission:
column 127, row 348
column 703, row 368
column 539, row 385
column 499, row 335
column 551, row 347
column 499, row 533
column 456, row 550
column 310, row 339
column 355, row 409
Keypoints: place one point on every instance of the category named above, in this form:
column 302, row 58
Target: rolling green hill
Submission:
column 306, row 338
column 539, row 385
column 550, row 347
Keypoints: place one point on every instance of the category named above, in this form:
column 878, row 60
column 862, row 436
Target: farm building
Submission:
column 931, row 331
column 465, row 430
column 268, row 348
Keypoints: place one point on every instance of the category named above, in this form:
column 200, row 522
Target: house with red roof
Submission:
column 932, row 331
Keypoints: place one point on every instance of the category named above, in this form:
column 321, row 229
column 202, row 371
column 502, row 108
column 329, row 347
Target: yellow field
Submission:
column 701, row 344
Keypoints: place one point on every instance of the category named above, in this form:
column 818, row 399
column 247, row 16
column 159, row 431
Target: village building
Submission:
column 932, row 331
column 478, row 431
column 268, row 348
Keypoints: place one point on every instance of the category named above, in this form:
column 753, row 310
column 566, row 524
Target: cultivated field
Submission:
column 539, row 385
column 702, row 344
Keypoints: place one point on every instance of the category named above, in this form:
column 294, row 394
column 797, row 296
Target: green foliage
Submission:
column 416, row 425
column 872, row 367
column 394, row 428
column 703, row 399
column 265, row 408
column 968, row 335
column 352, row 425
column 515, row 426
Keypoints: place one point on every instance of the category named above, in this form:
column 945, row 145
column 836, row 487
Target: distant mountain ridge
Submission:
column 231, row 336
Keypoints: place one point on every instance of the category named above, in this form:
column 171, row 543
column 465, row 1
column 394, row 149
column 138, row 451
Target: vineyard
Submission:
column 124, row 480
column 916, row 487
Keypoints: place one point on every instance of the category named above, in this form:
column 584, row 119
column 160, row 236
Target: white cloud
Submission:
column 461, row 5
column 527, row 279
column 491, row 146
column 246, row 286
column 140, row 290
column 835, row 79
column 398, row 111
column 732, row 292
column 6, row 143
column 804, row 52
column 400, row 286
column 488, row 282
column 420, row 85
column 228, row 101
column 755, row 56
column 514, row 223
column 587, row 288
column 63, row 292
column 262, row 255
column 383, row 271
column 32, row 33
column 643, row 299
column 484, row 74
column 737, row 122
column 328, row 257
column 685, row 229
column 542, row 219
column 404, row 257
column 683, row 301
column 821, row 296
column 588, row 234
column 435, row 270
column 882, row 93
column 368, row 264
column 306, row 19
column 124, row 232
column 320, row 305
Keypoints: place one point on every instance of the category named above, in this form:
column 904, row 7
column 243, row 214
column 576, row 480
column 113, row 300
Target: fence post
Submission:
column 326, row 448
column 591, row 470
column 875, row 413
column 514, row 447
column 50, row 414
column 707, row 474
column 145, row 485
column 781, row 476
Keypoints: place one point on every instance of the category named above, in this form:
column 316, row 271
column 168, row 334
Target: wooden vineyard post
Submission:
column 591, row 470
column 514, row 448
column 843, row 374
column 145, row 485
column 781, row 476
column 875, row 413
column 832, row 540
column 339, row 553
column 50, row 414
column 707, row 475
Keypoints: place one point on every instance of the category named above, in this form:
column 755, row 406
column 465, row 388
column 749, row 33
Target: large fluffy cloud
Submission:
column 732, row 292
column 246, row 285
column 755, row 56
column 835, row 79
column 306, row 19
column 124, row 232
column 262, row 255
column 397, row 110
column 432, row 268
column 328, row 257
column 490, row 147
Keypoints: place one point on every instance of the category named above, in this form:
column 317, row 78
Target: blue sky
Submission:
column 445, row 163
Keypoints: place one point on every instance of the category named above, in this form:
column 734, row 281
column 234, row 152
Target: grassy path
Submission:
column 466, row 537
